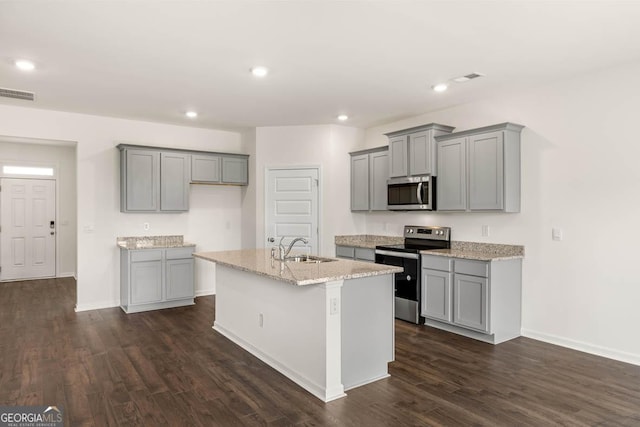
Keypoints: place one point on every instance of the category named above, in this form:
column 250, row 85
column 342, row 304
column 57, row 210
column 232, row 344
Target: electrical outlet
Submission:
column 145, row 226
column 556, row 233
column 334, row 306
column 485, row 231
column 261, row 320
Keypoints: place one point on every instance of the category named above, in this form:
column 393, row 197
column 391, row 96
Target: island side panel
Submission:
column 287, row 326
column 367, row 329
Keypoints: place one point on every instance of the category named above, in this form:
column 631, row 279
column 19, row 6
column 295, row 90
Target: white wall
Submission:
column 64, row 160
column 317, row 145
column 580, row 172
column 213, row 222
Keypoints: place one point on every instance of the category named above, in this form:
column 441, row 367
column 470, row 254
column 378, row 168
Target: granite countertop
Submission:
column 465, row 250
column 152, row 242
column 259, row 261
column 367, row 241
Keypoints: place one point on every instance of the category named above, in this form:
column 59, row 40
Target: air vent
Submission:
column 17, row 94
column 467, row 77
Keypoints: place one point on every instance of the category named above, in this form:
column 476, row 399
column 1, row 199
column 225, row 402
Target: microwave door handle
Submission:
column 419, row 193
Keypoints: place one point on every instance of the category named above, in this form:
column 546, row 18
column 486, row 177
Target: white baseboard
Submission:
column 205, row 292
column 97, row 305
column 326, row 395
column 61, row 275
column 583, row 346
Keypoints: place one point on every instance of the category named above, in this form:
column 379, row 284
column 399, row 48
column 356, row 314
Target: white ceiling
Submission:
column 373, row 60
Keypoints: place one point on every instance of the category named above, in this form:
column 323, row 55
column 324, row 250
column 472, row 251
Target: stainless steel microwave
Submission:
column 411, row 193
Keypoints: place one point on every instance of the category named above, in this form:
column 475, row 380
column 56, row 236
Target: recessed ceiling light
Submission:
column 25, row 65
column 191, row 114
column 260, row 71
column 440, row 87
column 343, row 117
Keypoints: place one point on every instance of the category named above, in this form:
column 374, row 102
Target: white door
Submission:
column 291, row 207
column 27, row 233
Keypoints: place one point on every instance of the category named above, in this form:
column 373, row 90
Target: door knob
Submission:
column 271, row 240
column 53, row 232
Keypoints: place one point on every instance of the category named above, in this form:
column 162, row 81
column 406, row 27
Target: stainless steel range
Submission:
column 407, row 255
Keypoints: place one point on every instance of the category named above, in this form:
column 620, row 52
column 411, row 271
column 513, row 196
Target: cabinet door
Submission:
column 398, row 156
column 360, row 182
column 235, row 170
column 345, row 252
column 436, row 295
column 179, row 279
column 146, row 282
column 141, row 178
column 421, row 156
column 471, row 302
column 175, row 172
column 205, row 168
column 452, row 175
column 486, row 171
column 379, row 174
column 365, row 254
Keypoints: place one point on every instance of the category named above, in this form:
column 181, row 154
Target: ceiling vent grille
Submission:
column 17, row 94
column 467, row 77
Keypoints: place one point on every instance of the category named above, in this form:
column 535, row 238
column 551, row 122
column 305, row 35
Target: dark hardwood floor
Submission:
column 169, row 368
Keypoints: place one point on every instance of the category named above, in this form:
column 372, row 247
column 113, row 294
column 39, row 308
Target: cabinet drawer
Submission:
column 437, row 262
column 365, row 254
column 472, row 268
column 146, row 255
column 180, row 253
column 345, row 251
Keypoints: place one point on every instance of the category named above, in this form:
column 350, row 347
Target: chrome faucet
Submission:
column 284, row 253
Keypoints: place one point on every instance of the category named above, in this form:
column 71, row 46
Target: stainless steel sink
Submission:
column 309, row 259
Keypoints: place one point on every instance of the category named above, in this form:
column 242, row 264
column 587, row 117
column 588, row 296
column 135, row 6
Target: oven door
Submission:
column 406, row 284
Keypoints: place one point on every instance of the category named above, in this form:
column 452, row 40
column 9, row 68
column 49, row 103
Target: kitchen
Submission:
column 579, row 292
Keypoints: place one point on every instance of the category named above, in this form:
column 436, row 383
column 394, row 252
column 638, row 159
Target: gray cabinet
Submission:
column 154, row 181
column 356, row 253
column 478, row 299
column 479, row 169
column 219, row 169
column 369, row 174
column 140, row 180
column 205, row 168
column 413, row 151
column 152, row 279
column 235, row 170
column 175, row 172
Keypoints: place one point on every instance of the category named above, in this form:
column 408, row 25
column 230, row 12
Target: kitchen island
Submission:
column 328, row 326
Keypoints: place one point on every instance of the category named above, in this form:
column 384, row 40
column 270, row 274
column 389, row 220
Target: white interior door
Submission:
column 27, row 233
column 292, row 207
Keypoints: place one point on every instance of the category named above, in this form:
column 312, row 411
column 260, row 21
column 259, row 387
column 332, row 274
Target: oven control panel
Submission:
column 427, row 232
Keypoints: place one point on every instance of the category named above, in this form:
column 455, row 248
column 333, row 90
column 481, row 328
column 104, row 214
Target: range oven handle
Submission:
column 419, row 193
column 397, row 254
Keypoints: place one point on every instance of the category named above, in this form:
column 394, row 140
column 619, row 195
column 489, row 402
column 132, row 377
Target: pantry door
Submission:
column 291, row 207
column 27, row 228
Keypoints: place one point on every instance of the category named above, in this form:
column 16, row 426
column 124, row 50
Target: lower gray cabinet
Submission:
column 478, row 299
column 152, row 279
column 356, row 253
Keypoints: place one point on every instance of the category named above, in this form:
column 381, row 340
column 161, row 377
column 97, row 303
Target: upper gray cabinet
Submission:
column 413, row 151
column 157, row 179
column 235, row 170
column 369, row 174
column 154, row 181
column 205, row 168
column 479, row 169
column 219, row 169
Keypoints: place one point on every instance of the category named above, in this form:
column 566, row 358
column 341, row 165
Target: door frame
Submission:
column 265, row 206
